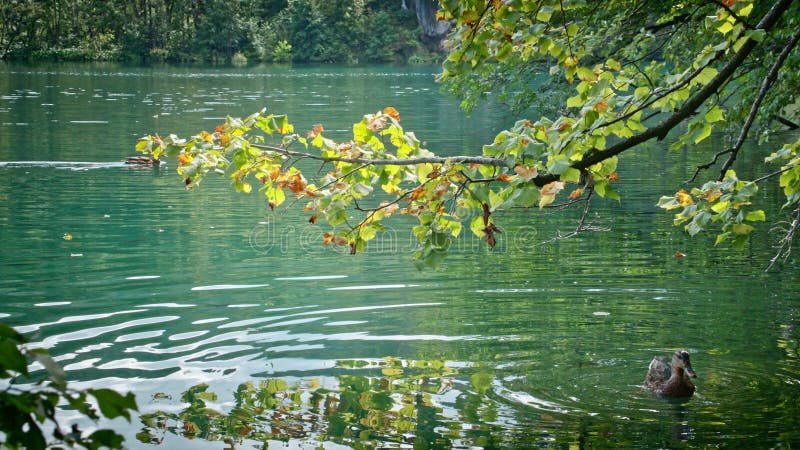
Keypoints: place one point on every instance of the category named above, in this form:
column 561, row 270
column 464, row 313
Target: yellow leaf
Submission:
column 549, row 192
column 571, row 61
column 684, row 198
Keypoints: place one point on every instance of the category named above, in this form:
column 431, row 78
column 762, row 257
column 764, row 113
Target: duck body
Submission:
column 671, row 379
column 142, row 161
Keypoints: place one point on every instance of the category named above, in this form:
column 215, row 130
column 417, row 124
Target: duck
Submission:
column 142, row 160
column 671, row 380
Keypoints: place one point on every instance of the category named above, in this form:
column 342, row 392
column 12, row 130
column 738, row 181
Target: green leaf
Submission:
column 714, row 114
column 113, row 404
column 11, row 358
column 741, row 229
column 477, row 226
column 754, row 216
column 53, row 369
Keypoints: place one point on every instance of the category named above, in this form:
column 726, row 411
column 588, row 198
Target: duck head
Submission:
column 681, row 360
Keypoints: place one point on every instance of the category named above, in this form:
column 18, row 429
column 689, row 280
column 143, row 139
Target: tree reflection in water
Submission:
column 399, row 404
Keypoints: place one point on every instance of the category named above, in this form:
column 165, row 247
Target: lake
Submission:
column 234, row 326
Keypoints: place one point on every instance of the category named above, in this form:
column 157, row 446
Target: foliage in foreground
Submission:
column 27, row 403
column 688, row 67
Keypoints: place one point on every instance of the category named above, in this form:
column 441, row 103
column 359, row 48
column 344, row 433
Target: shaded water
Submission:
column 205, row 299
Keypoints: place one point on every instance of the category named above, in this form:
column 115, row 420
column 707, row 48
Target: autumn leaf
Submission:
column 613, row 177
column 679, row 255
column 184, row 159
column 549, row 192
column 728, row 3
column 314, row 131
column 274, row 173
column 388, row 208
column 225, row 139
column 442, row 189
column 564, row 126
column 527, row 173
column 417, row 193
column 296, row 183
column 313, row 219
column 712, row 195
column 504, row 177
column 684, row 198
column 575, row 194
column 391, row 112
column 571, row 61
column 376, row 123
column 601, row 105
column 206, row 136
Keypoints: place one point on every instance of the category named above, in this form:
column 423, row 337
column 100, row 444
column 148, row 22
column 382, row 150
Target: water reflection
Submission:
column 524, row 346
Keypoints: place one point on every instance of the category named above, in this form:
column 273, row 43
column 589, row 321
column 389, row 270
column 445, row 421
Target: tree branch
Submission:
column 766, row 84
column 785, row 244
column 660, row 130
column 483, row 160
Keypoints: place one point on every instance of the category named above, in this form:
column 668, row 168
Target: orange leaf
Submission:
column 417, row 193
column 679, row 255
column 315, row 130
column 563, row 126
column 575, row 194
column 274, row 173
column 601, row 105
column 184, row 159
column 613, row 177
column 296, row 183
column 391, row 112
column 728, row 3
column 504, row 177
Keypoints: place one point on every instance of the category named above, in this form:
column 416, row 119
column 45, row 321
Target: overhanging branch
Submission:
column 766, row 84
column 660, row 130
column 483, row 160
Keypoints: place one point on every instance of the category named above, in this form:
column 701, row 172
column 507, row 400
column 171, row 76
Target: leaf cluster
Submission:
column 630, row 79
column 26, row 403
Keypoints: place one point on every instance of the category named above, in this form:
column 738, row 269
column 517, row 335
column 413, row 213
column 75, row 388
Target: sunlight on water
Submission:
column 217, row 287
column 521, row 346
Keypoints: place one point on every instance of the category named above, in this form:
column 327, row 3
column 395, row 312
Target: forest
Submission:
column 216, row 31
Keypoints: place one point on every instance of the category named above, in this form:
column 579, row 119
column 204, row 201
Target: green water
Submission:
column 162, row 291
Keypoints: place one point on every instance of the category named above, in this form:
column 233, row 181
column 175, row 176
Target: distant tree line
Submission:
column 219, row 31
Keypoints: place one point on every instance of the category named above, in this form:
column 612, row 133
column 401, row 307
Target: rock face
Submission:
column 433, row 31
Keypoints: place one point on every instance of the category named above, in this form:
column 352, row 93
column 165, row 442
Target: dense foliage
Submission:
column 633, row 71
column 211, row 30
column 27, row 402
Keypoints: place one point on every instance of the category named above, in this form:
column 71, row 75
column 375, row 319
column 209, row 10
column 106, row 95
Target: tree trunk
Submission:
column 433, row 31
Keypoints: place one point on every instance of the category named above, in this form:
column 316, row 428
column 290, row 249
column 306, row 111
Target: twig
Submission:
column 766, row 84
column 483, row 160
column 785, row 243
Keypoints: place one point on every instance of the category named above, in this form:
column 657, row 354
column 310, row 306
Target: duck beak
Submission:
column 690, row 371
